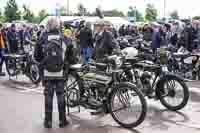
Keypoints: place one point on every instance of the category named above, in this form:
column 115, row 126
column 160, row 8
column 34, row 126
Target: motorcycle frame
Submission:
column 113, row 84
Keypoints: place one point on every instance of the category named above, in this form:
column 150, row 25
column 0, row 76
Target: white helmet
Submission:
column 130, row 52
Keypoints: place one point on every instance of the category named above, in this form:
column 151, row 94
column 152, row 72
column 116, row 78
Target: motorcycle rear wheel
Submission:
column 172, row 93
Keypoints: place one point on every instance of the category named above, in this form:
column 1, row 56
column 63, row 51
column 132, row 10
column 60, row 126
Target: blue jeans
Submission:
column 87, row 54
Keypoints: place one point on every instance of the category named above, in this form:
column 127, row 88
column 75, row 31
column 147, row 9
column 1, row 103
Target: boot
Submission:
column 47, row 124
column 2, row 73
column 63, row 122
column 48, row 120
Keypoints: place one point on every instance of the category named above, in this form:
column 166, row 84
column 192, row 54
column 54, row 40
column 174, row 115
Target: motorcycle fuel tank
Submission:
column 103, row 79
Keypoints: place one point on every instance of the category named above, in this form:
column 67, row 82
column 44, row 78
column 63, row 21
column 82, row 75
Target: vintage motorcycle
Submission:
column 98, row 86
column 185, row 64
column 23, row 62
column 154, row 78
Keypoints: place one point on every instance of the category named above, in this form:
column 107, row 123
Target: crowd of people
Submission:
column 87, row 43
column 83, row 36
column 174, row 34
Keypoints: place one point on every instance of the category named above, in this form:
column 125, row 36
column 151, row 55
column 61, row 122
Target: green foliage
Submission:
column 151, row 13
column 2, row 19
column 116, row 13
column 135, row 13
column 196, row 18
column 11, row 11
column 174, row 15
column 27, row 14
column 36, row 20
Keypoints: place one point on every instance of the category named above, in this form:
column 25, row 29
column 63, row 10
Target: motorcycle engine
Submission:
column 146, row 80
column 96, row 83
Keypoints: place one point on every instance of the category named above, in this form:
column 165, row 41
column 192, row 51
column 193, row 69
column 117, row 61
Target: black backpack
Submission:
column 54, row 60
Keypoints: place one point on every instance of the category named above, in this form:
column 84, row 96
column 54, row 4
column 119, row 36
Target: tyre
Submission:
column 123, row 104
column 198, row 74
column 168, row 93
column 11, row 67
column 34, row 73
column 73, row 89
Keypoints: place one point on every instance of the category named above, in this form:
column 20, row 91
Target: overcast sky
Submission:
column 184, row 7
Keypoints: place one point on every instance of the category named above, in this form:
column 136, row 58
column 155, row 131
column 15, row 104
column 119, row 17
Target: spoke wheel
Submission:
column 128, row 106
column 173, row 93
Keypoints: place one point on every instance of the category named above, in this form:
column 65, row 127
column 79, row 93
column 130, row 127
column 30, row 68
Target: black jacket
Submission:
column 189, row 34
column 105, row 44
column 12, row 41
column 86, row 39
column 69, row 58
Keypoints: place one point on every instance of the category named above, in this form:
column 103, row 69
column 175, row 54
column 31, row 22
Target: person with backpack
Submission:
column 54, row 68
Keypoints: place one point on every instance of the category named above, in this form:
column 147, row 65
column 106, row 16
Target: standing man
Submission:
column 54, row 69
column 105, row 46
column 27, row 36
column 21, row 35
column 105, row 42
column 12, row 39
column 2, row 50
column 156, row 37
column 86, row 42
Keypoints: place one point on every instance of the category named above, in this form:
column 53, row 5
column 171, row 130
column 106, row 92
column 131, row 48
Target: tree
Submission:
column 11, row 11
column 196, row 18
column 174, row 15
column 42, row 14
column 135, row 13
column 81, row 10
column 113, row 13
column 116, row 13
column 151, row 13
column 27, row 14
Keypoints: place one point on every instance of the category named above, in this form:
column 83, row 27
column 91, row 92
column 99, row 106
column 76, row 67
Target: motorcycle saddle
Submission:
column 14, row 55
column 75, row 67
column 181, row 55
column 100, row 66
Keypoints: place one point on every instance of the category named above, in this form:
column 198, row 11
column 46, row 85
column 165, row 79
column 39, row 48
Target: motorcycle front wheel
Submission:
column 34, row 73
column 11, row 67
column 73, row 88
column 127, row 105
column 173, row 93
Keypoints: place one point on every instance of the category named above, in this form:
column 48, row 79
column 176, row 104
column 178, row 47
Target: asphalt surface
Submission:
column 22, row 107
